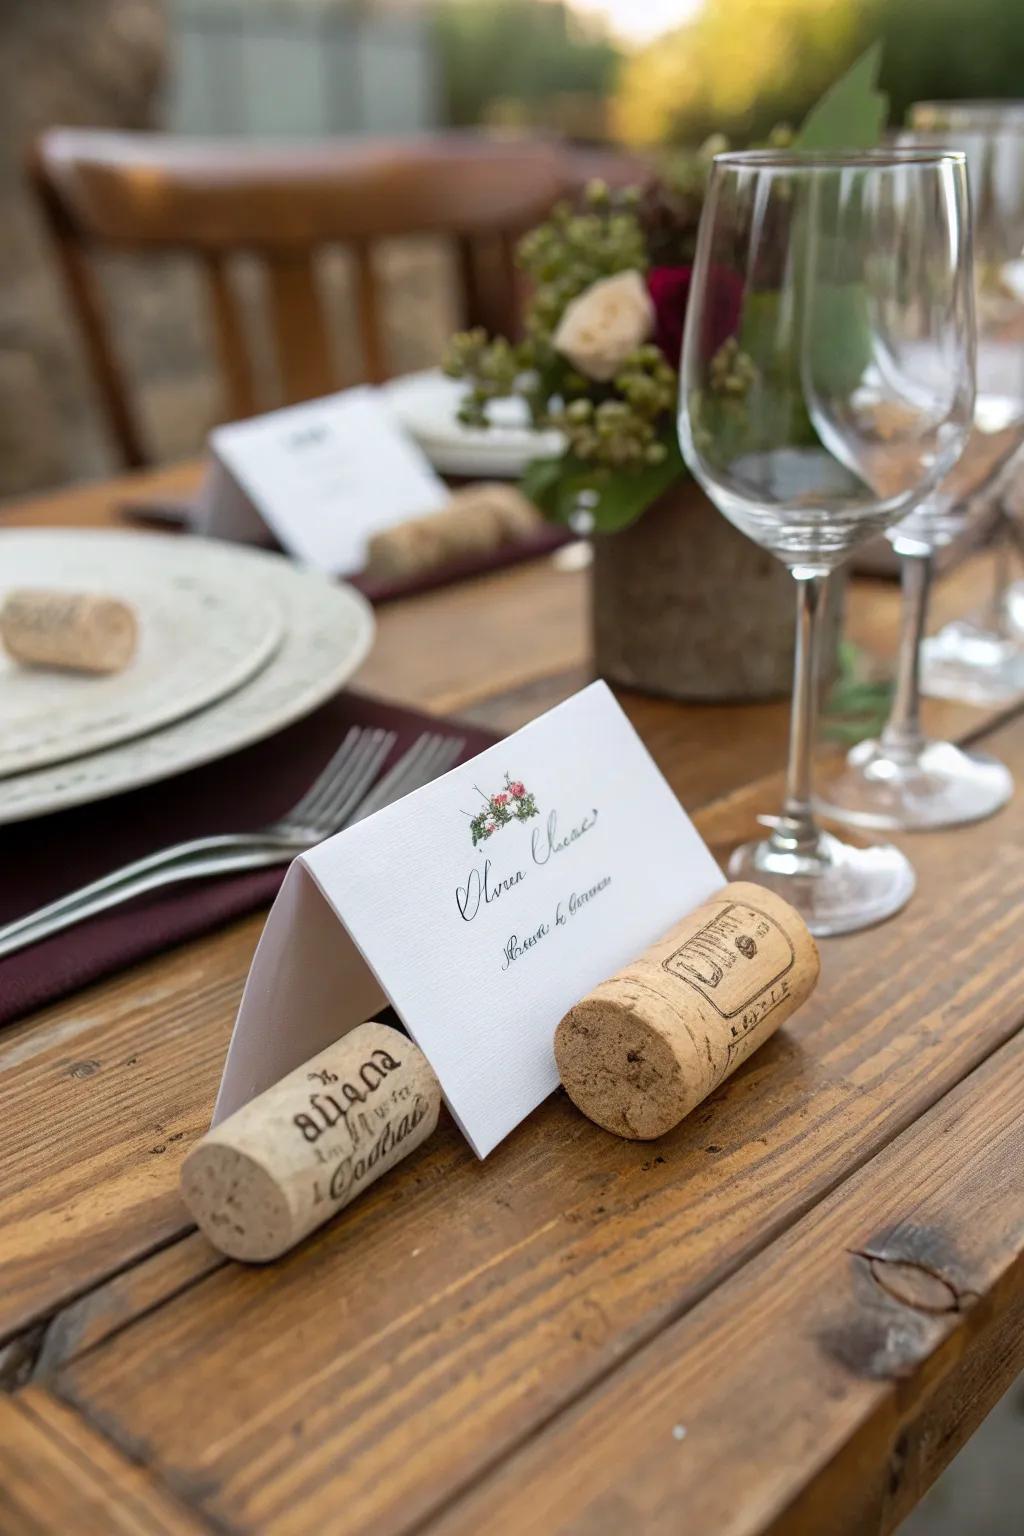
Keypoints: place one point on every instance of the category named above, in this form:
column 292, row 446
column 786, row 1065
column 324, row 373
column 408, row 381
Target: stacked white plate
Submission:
column 427, row 405
column 234, row 644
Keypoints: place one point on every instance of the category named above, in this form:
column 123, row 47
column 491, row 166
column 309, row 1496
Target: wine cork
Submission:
column 476, row 521
column 79, row 630
column 645, row 1047
column 288, row 1160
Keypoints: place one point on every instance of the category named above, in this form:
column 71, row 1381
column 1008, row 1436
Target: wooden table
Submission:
column 784, row 1317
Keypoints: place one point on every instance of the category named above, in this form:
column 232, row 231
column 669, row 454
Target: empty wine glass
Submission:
column 980, row 658
column 826, row 387
column 904, row 780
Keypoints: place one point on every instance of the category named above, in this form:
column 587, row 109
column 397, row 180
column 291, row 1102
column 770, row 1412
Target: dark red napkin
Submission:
column 544, row 542
column 170, row 512
column 42, row 859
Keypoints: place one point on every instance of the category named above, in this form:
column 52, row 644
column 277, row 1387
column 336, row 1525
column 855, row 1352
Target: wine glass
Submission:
column 981, row 658
column 826, row 387
column 903, row 780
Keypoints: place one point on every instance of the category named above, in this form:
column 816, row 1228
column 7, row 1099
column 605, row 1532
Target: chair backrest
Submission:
column 281, row 204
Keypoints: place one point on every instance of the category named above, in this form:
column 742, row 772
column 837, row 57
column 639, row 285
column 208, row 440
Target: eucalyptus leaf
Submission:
column 852, row 112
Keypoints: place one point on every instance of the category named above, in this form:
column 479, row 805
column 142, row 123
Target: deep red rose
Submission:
column 669, row 288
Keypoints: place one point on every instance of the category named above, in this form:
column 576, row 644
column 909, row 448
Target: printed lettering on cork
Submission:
column 726, row 962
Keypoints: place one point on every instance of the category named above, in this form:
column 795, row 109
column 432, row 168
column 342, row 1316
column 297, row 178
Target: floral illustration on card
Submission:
column 513, row 803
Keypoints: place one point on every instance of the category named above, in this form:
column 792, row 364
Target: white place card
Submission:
column 482, row 906
column 321, row 477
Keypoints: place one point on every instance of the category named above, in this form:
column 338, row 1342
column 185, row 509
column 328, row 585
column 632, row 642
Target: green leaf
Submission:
column 614, row 500
column 858, row 705
column 852, row 112
column 623, row 498
column 540, row 482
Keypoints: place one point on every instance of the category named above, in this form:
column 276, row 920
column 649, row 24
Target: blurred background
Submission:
column 648, row 75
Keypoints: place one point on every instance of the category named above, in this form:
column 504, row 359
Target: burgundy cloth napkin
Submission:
column 168, row 512
column 42, row 859
column 544, row 542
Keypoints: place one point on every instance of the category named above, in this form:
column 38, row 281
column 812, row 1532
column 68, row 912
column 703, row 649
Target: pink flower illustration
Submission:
column 513, row 802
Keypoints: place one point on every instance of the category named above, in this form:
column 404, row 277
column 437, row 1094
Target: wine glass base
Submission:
column 942, row 786
column 967, row 662
column 837, row 888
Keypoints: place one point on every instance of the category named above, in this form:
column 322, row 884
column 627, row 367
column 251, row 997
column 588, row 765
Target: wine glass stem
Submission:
column 902, row 738
column 998, row 618
column 796, row 831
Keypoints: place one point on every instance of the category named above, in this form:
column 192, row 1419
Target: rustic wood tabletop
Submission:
column 785, row 1316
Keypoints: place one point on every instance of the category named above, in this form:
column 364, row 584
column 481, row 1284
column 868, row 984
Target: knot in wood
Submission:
column 915, row 1285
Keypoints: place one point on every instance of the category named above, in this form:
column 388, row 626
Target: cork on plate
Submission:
column 81, row 631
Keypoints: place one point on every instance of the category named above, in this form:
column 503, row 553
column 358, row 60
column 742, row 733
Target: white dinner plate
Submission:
column 200, row 637
column 426, row 405
column 326, row 631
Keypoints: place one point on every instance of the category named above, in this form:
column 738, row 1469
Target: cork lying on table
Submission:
column 646, row 1046
column 78, row 630
column 288, row 1160
column 476, row 521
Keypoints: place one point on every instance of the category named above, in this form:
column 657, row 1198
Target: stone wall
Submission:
column 97, row 62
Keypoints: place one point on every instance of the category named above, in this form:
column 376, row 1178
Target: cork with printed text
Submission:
column 641, row 1050
column 284, row 1163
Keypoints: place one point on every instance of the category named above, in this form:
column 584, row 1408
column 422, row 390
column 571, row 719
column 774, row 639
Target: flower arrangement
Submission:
column 609, row 283
column 513, row 803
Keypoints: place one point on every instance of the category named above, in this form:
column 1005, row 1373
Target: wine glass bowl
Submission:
column 903, row 781
column 826, row 387
column 980, row 659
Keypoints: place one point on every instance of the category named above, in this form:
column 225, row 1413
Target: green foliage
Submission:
column 617, row 426
column 943, row 49
column 563, row 488
column 741, row 65
column 519, row 50
column 851, row 114
column 575, row 248
column 858, row 704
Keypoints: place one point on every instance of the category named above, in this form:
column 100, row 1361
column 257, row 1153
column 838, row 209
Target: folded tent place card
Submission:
column 321, row 477
column 482, row 907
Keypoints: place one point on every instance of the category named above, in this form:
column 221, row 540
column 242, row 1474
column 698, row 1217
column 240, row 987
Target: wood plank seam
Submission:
column 58, row 1337
column 59, row 1435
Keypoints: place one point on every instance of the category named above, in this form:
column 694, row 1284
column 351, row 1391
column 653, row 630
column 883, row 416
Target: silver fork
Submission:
column 339, row 797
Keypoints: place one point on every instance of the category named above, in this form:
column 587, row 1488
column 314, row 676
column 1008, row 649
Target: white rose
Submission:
column 605, row 323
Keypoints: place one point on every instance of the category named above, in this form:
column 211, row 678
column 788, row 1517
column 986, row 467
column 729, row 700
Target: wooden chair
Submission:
column 143, row 192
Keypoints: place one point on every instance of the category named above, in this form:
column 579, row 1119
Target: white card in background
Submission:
column 584, row 858
column 322, row 477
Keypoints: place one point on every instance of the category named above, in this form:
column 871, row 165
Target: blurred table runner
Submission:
column 44, row 858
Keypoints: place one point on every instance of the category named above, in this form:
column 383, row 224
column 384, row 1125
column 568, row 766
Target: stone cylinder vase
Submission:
column 684, row 606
